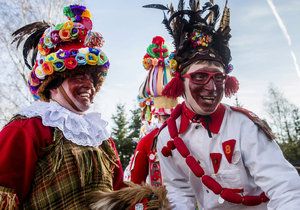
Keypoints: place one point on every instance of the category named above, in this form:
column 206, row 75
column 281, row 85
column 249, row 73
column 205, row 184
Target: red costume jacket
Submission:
column 140, row 162
column 21, row 146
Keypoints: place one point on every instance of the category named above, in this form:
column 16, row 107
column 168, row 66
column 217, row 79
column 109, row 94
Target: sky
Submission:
column 265, row 49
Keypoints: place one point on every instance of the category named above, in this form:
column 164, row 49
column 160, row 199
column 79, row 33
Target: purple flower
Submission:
column 106, row 65
column 33, row 76
column 73, row 53
column 55, row 37
column 41, row 41
column 34, row 89
column 77, row 9
column 229, row 68
column 94, row 51
column 62, row 54
column 77, row 18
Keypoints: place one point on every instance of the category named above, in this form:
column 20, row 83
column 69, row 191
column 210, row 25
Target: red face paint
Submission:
column 204, row 87
column 81, row 90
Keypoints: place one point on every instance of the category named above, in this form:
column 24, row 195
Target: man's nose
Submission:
column 88, row 82
column 210, row 85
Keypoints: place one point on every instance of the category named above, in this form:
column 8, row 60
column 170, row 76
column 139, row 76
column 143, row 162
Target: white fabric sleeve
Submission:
column 270, row 170
column 180, row 193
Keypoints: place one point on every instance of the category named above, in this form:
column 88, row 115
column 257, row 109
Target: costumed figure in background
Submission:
column 53, row 153
column 136, row 196
column 156, row 109
column 224, row 157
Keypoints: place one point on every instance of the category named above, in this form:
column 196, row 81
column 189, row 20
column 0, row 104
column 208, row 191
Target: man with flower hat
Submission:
column 224, row 157
column 156, row 109
column 53, row 153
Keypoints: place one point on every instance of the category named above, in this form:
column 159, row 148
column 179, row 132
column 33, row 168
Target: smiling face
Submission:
column 204, row 85
column 79, row 90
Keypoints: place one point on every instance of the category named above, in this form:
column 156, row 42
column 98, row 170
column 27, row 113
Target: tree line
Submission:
column 285, row 123
column 125, row 133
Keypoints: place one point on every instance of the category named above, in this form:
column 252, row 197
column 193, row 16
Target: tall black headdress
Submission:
column 196, row 37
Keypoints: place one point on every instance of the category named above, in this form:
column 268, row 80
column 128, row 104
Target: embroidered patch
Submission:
column 216, row 161
column 262, row 124
column 228, row 148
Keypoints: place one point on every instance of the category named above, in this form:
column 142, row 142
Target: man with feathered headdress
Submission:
column 53, row 153
column 224, row 157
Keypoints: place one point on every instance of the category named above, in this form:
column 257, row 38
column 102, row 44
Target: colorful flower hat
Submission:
column 156, row 62
column 196, row 38
column 63, row 49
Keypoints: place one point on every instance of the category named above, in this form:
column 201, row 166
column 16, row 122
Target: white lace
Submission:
column 84, row 130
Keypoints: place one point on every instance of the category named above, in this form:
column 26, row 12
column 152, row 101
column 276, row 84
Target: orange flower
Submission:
column 86, row 13
column 47, row 68
column 43, row 51
column 64, row 34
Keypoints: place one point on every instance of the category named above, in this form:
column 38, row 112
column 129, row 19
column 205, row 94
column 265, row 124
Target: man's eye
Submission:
column 199, row 76
column 219, row 77
column 78, row 77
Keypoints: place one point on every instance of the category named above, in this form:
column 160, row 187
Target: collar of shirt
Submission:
column 215, row 119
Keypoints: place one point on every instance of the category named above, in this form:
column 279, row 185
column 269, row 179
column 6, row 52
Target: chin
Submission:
column 83, row 106
column 207, row 109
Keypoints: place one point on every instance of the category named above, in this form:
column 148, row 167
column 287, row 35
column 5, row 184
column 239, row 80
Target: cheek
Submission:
column 220, row 90
column 73, row 86
column 194, row 89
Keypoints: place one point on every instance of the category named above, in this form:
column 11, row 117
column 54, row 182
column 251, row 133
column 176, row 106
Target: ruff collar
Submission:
column 84, row 130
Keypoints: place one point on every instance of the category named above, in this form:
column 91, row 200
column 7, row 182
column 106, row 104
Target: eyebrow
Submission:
column 208, row 69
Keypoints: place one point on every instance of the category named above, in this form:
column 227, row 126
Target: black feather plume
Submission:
column 167, row 25
column 206, row 6
column 156, row 6
column 215, row 10
column 31, row 33
column 194, row 5
column 183, row 22
column 180, row 5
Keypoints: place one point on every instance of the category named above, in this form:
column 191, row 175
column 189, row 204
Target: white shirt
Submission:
column 257, row 166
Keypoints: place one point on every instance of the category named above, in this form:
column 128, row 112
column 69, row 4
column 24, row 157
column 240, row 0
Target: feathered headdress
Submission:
column 196, row 37
column 156, row 62
column 61, row 50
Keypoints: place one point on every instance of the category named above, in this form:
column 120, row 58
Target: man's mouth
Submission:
column 86, row 95
column 208, row 99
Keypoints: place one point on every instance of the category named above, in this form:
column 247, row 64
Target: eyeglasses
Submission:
column 203, row 77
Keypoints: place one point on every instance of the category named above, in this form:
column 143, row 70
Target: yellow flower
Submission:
column 91, row 59
column 147, row 63
column 68, row 25
column 87, row 14
column 173, row 64
column 39, row 73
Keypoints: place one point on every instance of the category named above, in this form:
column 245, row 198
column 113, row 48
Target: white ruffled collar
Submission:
column 84, row 130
